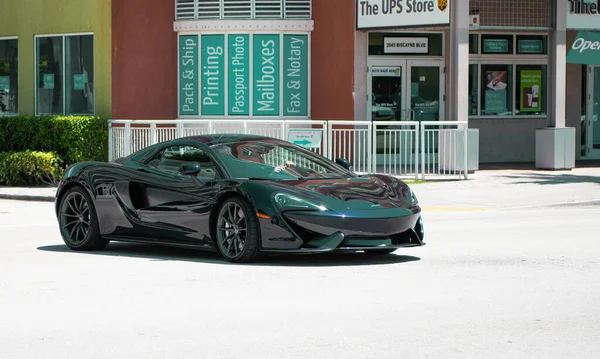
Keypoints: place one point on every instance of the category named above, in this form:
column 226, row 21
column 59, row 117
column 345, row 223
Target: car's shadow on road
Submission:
column 163, row 253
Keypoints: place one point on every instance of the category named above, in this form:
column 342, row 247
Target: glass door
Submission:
column 590, row 127
column 426, row 91
column 405, row 90
column 386, row 92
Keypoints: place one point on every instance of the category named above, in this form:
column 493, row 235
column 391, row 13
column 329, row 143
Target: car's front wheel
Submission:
column 237, row 233
column 79, row 222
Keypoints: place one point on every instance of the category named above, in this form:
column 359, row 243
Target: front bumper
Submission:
column 318, row 233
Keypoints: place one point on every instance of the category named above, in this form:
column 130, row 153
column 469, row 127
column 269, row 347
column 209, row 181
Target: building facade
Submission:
column 501, row 65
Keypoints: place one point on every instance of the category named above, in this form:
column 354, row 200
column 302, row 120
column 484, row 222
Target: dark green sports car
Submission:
column 241, row 195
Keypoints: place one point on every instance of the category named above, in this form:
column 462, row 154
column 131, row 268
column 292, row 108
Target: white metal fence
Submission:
column 427, row 149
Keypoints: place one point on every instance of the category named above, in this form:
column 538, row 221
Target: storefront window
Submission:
column 49, row 87
column 496, row 90
column 531, row 90
column 473, row 43
column 79, row 69
column 70, row 91
column 9, row 84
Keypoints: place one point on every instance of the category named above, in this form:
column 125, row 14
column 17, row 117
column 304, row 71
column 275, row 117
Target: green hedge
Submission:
column 30, row 167
column 73, row 138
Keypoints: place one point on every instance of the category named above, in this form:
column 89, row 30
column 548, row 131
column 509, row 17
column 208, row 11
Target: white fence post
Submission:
column 127, row 135
column 111, row 153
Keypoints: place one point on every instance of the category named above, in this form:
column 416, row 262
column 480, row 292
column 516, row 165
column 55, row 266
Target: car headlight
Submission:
column 288, row 201
column 415, row 201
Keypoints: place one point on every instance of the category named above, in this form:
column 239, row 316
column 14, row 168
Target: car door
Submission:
column 175, row 206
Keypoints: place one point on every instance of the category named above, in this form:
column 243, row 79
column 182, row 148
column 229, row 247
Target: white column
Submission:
column 557, row 71
column 458, row 95
column 361, row 52
column 555, row 144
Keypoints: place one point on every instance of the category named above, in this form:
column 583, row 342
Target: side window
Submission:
column 171, row 159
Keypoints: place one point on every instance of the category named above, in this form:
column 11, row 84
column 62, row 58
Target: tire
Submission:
column 236, row 231
column 380, row 251
column 78, row 221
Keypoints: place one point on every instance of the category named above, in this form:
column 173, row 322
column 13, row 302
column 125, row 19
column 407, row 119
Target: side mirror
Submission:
column 342, row 162
column 190, row 168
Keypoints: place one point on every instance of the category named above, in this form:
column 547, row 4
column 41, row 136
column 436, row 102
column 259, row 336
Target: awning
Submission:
column 585, row 49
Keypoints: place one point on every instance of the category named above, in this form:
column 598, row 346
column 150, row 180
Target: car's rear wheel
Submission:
column 79, row 222
column 380, row 251
column 237, row 232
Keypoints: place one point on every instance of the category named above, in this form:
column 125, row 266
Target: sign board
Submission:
column 530, row 47
column 188, row 75
column 474, row 22
column 295, row 75
column 266, row 74
column 386, row 71
column 495, row 99
column 239, row 75
column 4, row 83
column 406, row 45
column 583, row 14
column 213, row 75
column 531, row 91
column 307, row 138
column 399, row 13
column 585, row 49
column 79, row 82
column 499, row 46
column 48, row 81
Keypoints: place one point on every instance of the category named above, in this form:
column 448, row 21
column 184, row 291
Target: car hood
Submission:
column 368, row 192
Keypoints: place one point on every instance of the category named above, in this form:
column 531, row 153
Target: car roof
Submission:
column 218, row 138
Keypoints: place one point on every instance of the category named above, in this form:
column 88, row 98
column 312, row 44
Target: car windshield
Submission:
column 271, row 159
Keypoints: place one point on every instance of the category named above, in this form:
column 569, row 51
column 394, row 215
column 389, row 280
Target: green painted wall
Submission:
column 27, row 18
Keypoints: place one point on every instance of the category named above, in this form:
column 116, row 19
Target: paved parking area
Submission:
column 489, row 284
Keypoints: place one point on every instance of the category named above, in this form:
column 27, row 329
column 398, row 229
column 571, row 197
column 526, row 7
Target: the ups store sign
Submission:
column 400, row 13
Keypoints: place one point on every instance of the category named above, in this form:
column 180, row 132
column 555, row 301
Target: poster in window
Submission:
column 4, row 83
column 48, row 81
column 531, row 86
column 79, row 82
column 495, row 92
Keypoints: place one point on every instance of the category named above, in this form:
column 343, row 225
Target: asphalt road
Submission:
column 494, row 283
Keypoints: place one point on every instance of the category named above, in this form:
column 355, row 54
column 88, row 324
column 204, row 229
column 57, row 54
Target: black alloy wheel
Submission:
column 78, row 221
column 237, row 231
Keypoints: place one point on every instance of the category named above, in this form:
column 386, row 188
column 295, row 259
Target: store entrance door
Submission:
column 405, row 90
column 590, row 127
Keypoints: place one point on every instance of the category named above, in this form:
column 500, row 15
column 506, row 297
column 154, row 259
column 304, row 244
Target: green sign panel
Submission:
column 305, row 138
column 188, row 75
column 79, row 82
column 495, row 46
column 4, row 83
column 266, row 73
column 213, row 75
column 48, row 81
column 531, row 91
column 295, row 75
column 585, row 49
column 530, row 47
column 239, row 75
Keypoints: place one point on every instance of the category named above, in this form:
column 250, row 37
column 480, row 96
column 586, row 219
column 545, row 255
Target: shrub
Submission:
column 30, row 167
column 73, row 138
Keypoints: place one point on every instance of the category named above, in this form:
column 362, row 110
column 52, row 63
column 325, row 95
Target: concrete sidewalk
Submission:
column 486, row 189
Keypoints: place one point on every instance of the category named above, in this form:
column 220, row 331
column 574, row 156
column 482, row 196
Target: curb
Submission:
column 21, row 197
